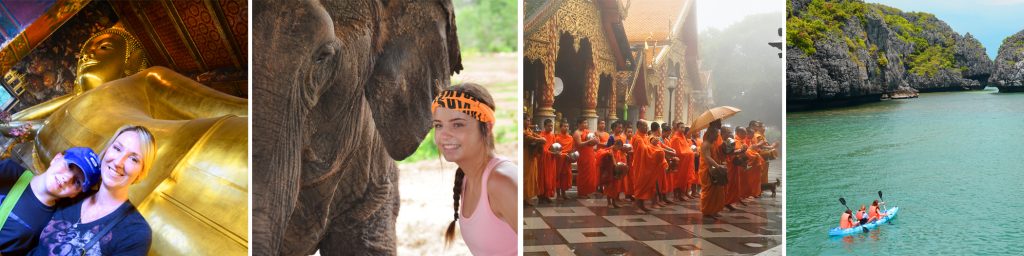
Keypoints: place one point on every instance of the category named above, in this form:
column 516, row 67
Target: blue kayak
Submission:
column 891, row 213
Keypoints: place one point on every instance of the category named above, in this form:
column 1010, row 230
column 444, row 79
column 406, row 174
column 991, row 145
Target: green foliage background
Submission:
column 822, row 18
column 486, row 26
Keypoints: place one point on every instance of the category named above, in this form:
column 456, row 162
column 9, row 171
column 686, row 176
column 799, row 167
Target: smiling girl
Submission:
column 106, row 223
column 485, row 184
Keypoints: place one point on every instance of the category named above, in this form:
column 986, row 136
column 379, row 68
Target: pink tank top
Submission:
column 483, row 232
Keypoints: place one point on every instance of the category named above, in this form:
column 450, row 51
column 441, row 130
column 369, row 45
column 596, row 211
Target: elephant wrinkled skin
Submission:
column 341, row 90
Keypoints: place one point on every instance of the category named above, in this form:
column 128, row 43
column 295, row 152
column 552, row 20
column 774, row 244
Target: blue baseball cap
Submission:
column 88, row 162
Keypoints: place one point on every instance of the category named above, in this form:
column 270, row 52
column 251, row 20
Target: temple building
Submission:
column 613, row 60
column 73, row 71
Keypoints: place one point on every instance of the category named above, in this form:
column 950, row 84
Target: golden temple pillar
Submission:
column 590, row 100
column 659, row 99
column 677, row 102
column 613, row 106
column 546, row 102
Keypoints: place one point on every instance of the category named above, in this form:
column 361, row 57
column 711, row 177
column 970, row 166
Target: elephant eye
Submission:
column 325, row 53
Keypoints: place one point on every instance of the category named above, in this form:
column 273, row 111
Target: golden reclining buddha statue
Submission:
column 195, row 196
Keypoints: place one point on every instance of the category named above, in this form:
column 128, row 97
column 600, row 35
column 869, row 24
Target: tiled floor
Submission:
column 590, row 227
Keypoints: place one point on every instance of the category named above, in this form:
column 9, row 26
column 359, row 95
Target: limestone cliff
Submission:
column 846, row 52
column 1009, row 71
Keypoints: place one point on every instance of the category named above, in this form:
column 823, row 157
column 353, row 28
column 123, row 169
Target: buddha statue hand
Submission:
column 21, row 128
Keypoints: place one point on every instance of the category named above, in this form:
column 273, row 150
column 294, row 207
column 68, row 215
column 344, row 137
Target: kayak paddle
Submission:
column 883, row 200
column 843, row 201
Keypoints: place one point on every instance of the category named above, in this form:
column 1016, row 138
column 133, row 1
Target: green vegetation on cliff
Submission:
column 820, row 19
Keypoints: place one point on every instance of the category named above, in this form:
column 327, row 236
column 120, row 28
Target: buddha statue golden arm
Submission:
column 33, row 116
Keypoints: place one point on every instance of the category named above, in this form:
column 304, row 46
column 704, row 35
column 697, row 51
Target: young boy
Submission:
column 70, row 173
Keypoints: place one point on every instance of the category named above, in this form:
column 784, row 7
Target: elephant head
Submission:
column 329, row 76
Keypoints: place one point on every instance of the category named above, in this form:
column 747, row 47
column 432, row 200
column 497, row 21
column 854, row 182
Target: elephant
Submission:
column 341, row 90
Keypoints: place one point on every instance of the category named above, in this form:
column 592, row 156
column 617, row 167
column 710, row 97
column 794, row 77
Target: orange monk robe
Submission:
column 683, row 175
column 627, row 181
column 697, row 161
column 665, row 182
column 533, row 150
column 712, row 197
column 587, row 175
column 602, row 139
column 564, row 170
column 634, row 171
column 612, row 185
column 752, row 176
column 548, row 167
column 758, row 137
column 733, row 189
column 649, row 160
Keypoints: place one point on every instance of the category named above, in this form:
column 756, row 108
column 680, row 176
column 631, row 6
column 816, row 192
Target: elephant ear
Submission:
column 417, row 54
column 454, row 53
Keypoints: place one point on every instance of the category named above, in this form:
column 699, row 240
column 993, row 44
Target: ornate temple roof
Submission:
column 653, row 19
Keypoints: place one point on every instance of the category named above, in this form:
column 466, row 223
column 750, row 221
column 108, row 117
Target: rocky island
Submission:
column 842, row 53
column 1009, row 70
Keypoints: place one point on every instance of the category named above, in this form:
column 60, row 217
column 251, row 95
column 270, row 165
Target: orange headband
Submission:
column 465, row 103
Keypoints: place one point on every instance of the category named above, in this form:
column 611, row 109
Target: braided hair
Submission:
column 484, row 96
column 457, row 193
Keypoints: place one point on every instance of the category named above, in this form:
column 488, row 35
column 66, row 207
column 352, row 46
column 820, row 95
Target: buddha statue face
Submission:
column 108, row 55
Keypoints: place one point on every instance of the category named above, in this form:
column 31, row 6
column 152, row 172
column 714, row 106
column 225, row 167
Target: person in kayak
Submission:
column 873, row 213
column 846, row 221
column 861, row 215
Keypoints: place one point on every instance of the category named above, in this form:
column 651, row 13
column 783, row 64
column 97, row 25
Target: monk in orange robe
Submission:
column 627, row 182
column 534, row 149
column 697, row 162
column 684, row 169
column 564, row 171
column 602, row 142
column 548, row 166
column 712, row 197
column 610, row 179
column 767, row 150
column 602, row 135
column 752, row 176
column 667, row 182
column 586, row 175
column 734, row 154
column 649, row 160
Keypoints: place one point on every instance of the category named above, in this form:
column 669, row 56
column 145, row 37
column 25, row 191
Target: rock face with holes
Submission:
column 850, row 52
column 1009, row 70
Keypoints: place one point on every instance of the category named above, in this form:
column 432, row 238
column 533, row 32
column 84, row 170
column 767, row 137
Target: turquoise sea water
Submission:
column 953, row 163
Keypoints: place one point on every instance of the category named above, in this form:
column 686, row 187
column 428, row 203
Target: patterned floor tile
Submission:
column 615, row 248
column 635, row 220
column 649, row 233
column 746, row 245
column 578, row 222
column 534, row 223
column 565, row 211
column 692, row 246
column 542, row 237
column 717, row 230
column 594, row 235
column 545, row 250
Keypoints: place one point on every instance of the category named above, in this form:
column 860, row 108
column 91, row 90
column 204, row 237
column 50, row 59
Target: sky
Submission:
column 720, row 14
column 990, row 21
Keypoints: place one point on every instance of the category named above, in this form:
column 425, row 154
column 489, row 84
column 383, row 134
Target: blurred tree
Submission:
column 487, row 26
column 746, row 71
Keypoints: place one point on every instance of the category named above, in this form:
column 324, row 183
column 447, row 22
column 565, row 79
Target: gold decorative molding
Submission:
column 581, row 19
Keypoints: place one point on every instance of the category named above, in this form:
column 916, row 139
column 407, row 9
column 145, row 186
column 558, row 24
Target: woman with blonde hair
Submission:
column 485, row 184
column 106, row 223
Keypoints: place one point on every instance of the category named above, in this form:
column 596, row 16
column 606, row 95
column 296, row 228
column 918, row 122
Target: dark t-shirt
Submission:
column 19, row 234
column 65, row 235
